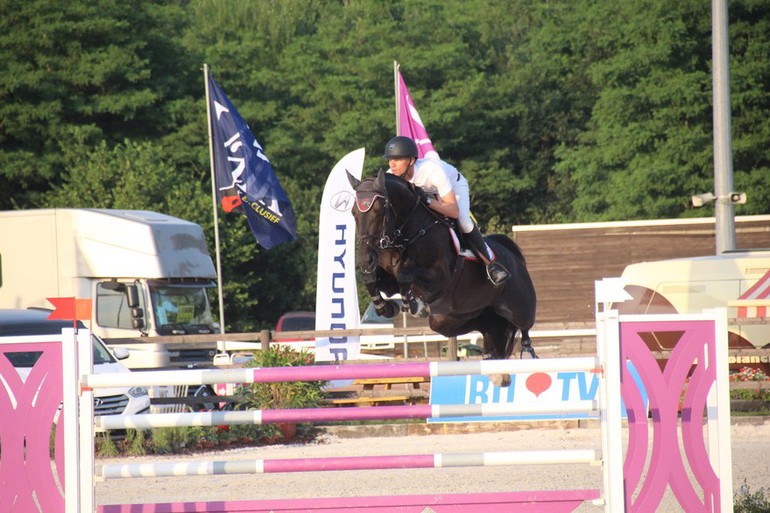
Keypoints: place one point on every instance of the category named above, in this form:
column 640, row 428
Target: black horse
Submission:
column 403, row 244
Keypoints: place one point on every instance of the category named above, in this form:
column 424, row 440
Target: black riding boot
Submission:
column 496, row 272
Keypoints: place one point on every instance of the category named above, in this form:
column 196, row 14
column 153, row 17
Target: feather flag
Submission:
column 245, row 180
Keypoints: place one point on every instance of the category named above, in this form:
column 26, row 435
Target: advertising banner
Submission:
column 336, row 292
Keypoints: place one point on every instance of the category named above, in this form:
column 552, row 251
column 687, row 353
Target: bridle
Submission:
column 391, row 239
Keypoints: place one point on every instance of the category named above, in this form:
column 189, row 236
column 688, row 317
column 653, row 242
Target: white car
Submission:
column 370, row 319
column 107, row 401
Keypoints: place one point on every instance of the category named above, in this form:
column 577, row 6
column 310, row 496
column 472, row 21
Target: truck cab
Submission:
column 152, row 307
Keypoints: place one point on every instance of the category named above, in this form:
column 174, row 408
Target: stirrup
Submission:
column 497, row 274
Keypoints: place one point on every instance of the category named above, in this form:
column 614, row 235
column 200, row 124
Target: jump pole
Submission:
column 419, row 411
column 339, row 372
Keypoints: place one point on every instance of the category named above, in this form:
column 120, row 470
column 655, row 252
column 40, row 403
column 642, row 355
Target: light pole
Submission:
column 724, row 210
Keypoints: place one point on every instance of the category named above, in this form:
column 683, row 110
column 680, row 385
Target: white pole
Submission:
column 69, row 360
column 214, row 201
column 85, row 355
column 608, row 349
column 718, row 413
column 398, row 106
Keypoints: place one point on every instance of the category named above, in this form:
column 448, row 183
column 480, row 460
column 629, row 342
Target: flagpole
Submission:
column 398, row 106
column 214, row 201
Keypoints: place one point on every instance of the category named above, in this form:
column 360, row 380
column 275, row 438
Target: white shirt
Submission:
column 435, row 176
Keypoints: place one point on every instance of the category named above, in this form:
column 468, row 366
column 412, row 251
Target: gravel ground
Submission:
column 750, row 450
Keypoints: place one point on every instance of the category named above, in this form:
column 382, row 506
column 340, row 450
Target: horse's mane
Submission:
column 394, row 181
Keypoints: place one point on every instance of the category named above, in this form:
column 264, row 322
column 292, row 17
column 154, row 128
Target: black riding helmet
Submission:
column 400, row 147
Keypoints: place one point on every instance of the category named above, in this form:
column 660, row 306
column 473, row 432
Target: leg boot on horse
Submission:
column 415, row 305
column 496, row 272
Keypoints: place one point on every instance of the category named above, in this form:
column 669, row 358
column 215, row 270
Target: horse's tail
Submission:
column 508, row 243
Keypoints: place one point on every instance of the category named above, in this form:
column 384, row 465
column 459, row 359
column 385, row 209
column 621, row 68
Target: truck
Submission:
column 148, row 274
column 738, row 280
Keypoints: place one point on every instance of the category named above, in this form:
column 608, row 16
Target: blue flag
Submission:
column 245, row 180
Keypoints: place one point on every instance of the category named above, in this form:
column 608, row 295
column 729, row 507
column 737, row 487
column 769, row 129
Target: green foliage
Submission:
column 172, row 440
column 134, row 443
column 128, row 175
column 745, row 501
column 281, row 395
column 105, row 447
column 107, row 68
column 559, row 111
column 746, row 394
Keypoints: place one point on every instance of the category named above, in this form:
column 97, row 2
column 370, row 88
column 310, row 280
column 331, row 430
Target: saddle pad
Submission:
column 467, row 253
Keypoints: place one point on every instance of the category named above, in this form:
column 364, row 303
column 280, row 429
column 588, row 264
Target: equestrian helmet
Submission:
column 400, row 147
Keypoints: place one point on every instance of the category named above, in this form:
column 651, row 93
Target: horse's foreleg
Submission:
column 374, row 282
column 411, row 302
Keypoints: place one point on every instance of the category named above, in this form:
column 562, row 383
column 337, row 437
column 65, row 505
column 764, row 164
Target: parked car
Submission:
column 305, row 321
column 107, row 401
column 370, row 319
column 296, row 321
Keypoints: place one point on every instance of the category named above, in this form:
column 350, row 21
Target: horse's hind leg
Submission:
column 497, row 340
column 526, row 345
column 499, row 380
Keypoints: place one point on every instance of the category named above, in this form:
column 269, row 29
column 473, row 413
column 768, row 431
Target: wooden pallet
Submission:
column 366, row 401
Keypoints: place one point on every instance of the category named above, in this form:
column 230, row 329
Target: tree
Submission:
column 103, row 70
column 648, row 145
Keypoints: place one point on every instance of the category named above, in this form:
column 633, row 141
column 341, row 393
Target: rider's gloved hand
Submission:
column 424, row 198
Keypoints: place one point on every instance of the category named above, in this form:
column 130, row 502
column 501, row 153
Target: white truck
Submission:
column 147, row 274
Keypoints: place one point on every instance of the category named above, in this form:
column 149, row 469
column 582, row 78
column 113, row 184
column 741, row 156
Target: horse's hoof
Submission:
column 500, row 380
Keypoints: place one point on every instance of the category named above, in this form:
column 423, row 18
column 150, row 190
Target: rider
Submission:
column 452, row 191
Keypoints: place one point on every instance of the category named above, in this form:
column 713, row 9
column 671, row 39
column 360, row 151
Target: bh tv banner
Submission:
column 537, row 387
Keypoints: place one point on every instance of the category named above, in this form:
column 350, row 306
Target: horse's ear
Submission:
column 354, row 182
column 379, row 182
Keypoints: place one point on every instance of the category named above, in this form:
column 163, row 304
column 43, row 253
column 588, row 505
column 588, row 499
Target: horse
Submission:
column 404, row 245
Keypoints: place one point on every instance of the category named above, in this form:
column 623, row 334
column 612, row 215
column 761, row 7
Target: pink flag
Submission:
column 410, row 124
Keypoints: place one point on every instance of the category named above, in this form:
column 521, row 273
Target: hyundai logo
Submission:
column 342, row 200
column 98, row 401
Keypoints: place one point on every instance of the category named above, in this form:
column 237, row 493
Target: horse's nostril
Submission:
column 368, row 262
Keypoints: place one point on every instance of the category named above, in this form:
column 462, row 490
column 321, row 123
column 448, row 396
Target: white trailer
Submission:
column 738, row 280
column 148, row 274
